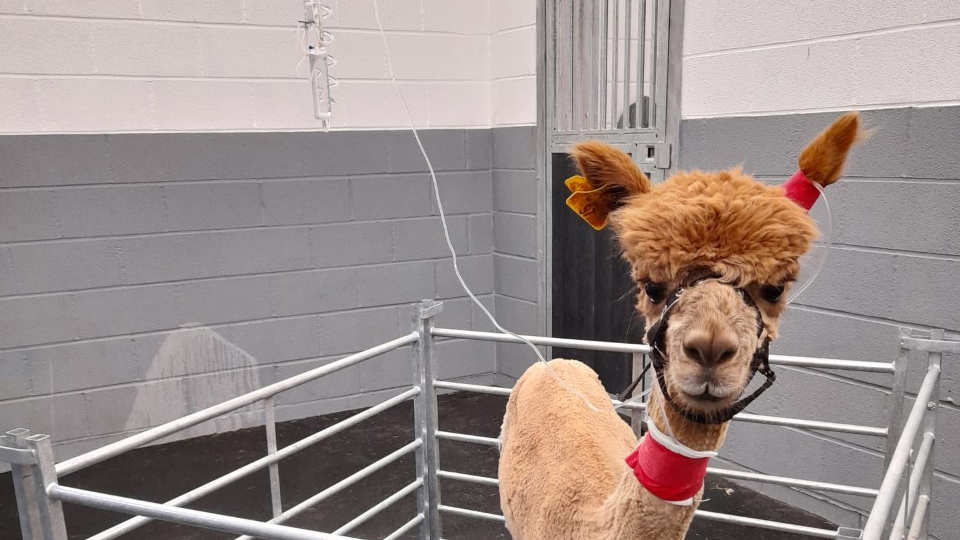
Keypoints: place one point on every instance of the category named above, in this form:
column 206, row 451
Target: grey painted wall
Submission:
column 516, row 259
column 279, row 252
column 895, row 261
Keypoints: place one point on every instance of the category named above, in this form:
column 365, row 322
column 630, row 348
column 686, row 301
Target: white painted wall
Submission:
column 754, row 57
column 513, row 47
column 166, row 65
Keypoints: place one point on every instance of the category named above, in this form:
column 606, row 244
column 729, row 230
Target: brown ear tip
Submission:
column 823, row 159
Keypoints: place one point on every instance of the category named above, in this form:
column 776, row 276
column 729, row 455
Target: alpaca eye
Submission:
column 654, row 291
column 771, row 293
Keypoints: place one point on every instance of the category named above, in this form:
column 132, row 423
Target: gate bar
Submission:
column 795, row 482
column 218, row 483
column 777, row 359
column 134, row 441
column 742, row 417
column 479, row 388
column 891, row 480
column 917, row 525
column 471, row 513
column 767, row 524
column 185, row 516
column 463, row 437
column 729, row 473
column 343, row 484
column 464, row 477
column 379, row 507
column 405, row 527
column 783, row 421
column 919, row 465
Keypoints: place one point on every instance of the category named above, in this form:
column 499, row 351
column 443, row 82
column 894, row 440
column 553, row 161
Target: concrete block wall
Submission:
column 145, row 276
column 758, row 57
column 892, row 264
column 517, row 256
column 152, row 65
column 513, row 70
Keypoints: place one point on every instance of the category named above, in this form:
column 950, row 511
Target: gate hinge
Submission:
column 661, row 155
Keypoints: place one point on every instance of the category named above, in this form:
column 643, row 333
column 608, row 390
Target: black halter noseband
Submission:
column 656, row 337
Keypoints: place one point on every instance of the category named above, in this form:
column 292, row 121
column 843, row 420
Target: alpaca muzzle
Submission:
column 657, row 335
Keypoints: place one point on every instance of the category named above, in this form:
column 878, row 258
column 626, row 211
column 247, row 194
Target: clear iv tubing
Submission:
column 443, row 218
column 826, row 247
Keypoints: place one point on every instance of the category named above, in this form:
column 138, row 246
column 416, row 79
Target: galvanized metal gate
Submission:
column 608, row 70
column 901, row 506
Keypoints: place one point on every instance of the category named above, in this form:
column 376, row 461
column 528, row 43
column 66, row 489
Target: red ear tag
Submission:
column 801, row 190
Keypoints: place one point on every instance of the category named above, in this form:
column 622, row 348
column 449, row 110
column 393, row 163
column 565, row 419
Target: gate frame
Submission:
column 40, row 493
column 662, row 138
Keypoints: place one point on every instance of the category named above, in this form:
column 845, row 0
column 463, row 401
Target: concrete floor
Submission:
column 161, row 472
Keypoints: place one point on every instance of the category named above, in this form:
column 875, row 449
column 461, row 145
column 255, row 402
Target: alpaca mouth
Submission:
column 706, row 393
column 705, row 396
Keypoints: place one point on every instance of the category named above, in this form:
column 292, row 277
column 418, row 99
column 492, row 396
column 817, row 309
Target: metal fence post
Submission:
column 270, row 424
column 897, row 390
column 44, row 475
column 24, row 487
column 425, row 420
column 636, row 415
column 925, row 490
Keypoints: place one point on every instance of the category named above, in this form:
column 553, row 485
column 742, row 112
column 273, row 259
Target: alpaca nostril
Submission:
column 692, row 353
column 709, row 349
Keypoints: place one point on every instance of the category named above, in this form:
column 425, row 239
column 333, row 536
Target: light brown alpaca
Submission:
column 730, row 245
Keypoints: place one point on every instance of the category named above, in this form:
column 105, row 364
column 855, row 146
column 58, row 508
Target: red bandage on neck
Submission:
column 801, row 190
column 667, row 475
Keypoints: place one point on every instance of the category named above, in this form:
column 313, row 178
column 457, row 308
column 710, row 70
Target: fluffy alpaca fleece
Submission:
column 562, row 471
column 567, row 441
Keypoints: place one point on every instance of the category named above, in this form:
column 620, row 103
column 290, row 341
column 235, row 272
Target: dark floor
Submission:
column 161, row 472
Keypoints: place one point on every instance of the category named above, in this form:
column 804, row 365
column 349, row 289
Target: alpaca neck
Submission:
column 631, row 511
column 687, row 432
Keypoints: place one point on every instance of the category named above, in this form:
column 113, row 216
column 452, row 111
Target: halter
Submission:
column 656, row 337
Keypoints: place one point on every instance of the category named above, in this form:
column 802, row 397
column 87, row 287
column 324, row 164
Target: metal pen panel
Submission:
column 186, row 516
column 305, row 505
column 135, row 441
column 602, row 68
column 287, row 451
column 562, row 64
column 640, row 108
column 574, row 62
column 877, row 521
column 627, row 45
column 658, row 78
column 379, row 507
column 615, row 68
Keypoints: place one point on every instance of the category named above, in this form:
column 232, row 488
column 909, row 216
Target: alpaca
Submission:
column 713, row 254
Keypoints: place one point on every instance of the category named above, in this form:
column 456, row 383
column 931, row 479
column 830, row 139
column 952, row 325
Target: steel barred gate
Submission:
column 901, row 498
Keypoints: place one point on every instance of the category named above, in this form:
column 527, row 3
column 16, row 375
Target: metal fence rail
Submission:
column 908, row 485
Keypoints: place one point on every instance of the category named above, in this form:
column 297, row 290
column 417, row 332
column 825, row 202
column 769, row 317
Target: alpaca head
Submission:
column 731, row 243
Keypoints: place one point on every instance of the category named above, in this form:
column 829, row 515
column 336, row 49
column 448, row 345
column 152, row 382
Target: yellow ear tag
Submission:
column 588, row 203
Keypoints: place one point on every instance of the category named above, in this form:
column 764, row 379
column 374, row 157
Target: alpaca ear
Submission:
column 606, row 167
column 609, row 176
column 822, row 161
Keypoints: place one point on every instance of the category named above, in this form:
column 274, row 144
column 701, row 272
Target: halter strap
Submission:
column 656, row 337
